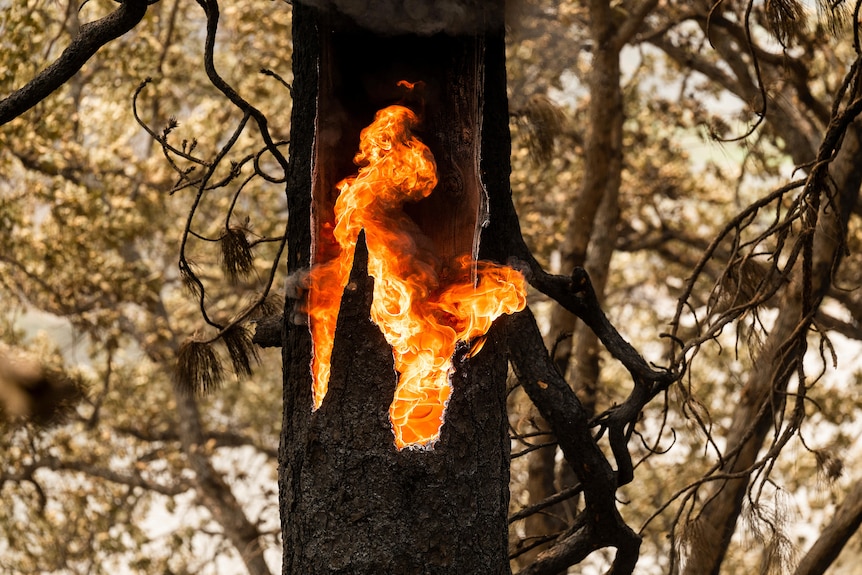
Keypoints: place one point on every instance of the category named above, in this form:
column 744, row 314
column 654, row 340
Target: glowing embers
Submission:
column 423, row 306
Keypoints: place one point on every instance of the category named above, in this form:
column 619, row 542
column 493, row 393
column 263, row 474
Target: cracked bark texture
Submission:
column 357, row 505
column 351, row 502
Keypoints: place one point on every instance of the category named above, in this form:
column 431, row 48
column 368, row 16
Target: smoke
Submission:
column 423, row 17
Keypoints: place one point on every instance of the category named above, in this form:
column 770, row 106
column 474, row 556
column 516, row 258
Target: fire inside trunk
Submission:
column 351, row 501
column 414, row 188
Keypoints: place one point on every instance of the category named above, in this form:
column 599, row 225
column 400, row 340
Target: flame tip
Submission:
column 411, row 85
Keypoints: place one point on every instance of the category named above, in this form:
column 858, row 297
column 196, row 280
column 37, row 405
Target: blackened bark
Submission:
column 351, row 502
column 267, row 331
column 359, row 505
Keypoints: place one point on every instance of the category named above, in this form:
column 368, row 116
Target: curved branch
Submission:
column 560, row 407
column 93, row 36
column 211, row 9
column 576, row 294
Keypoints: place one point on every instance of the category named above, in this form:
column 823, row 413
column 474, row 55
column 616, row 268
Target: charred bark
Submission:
column 351, row 502
column 360, row 506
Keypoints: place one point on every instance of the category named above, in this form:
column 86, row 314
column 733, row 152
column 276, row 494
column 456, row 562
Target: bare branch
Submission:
column 558, row 497
column 93, row 36
column 560, row 407
column 566, row 552
column 633, row 22
column 132, row 480
column 225, row 438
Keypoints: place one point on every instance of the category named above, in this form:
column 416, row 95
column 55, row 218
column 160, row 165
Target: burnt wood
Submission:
column 351, row 502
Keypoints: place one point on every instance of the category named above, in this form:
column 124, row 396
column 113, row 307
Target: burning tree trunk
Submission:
column 356, row 498
column 353, row 501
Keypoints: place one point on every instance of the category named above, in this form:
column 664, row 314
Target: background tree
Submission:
column 140, row 472
column 729, row 442
column 672, row 241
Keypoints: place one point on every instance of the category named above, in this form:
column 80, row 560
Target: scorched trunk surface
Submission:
column 351, row 502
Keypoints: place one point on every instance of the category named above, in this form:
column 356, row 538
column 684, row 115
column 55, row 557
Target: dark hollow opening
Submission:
column 362, row 79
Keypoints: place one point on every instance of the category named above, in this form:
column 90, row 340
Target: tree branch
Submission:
column 560, row 407
column 568, row 551
column 632, row 23
column 558, row 497
column 576, row 294
column 847, row 519
column 222, row 438
column 56, row 464
column 93, row 36
column 268, row 331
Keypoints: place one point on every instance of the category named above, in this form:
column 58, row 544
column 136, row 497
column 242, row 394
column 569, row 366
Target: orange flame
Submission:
column 423, row 308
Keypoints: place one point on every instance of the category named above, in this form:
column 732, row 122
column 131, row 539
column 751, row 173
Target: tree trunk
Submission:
column 602, row 157
column 589, row 242
column 350, row 501
column 847, row 519
column 213, row 492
